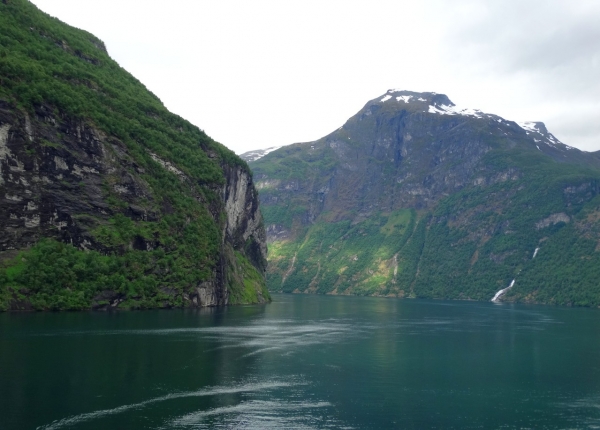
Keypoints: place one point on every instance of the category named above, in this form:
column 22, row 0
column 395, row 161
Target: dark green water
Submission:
column 304, row 362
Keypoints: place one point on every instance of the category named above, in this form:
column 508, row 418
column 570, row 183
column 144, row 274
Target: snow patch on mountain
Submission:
column 258, row 153
column 529, row 126
column 540, row 131
column 455, row 110
column 535, row 130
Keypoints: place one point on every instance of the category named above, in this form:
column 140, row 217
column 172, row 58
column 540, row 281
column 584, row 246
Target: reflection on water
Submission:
column 304, row 362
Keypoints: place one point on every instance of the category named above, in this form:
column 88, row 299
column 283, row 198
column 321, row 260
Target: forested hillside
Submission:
column 108, row 199
column 414, row 197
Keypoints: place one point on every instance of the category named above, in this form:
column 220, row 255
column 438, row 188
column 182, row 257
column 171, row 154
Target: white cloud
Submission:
column 265, row 73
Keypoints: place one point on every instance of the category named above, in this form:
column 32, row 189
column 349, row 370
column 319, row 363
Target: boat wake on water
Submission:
column 210, row 391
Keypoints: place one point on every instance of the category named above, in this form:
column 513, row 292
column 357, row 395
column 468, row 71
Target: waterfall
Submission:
column 501, row 292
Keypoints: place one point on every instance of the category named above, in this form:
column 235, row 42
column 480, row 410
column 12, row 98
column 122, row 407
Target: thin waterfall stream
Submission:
column 500, row 293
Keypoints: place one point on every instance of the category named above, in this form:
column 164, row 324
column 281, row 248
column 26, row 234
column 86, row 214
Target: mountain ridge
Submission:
column 440, row 103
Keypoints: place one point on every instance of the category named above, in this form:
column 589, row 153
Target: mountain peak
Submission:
column 435, row 103
column 534, row 126
column 396, row 100
column 412, row 97
column 428, row 102
column 540, row 134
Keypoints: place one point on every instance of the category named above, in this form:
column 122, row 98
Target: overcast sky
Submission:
column 257, row 73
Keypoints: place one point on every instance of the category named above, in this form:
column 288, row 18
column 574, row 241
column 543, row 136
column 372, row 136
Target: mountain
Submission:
column 108, row 199
column 415, row 197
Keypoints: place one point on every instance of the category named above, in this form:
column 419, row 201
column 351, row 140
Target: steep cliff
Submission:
column 108, row 199
column 415, row 197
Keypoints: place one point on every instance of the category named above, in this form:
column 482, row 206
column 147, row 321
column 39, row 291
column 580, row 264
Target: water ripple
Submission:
column 258, row 414
column 211, row 391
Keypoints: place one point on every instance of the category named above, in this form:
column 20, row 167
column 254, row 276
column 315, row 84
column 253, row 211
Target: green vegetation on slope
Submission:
column 469, row 245
column 341, row 257
column 47, row 65
column 58, row 276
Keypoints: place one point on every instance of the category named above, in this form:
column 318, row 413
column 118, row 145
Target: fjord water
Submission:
column 304, row 362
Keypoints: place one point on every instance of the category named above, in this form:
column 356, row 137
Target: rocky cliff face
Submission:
column 108, row 199
column 60, row 178
column 244, row 228
column 415, row 197
column 52, row 173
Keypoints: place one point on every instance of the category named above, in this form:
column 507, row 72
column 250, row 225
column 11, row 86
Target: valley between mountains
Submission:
column 108, row 200
column 415, row 197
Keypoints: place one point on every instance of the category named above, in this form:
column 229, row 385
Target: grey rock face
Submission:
column 56, row 175
column 52, row 169
column 553, row 219
column 244, row 228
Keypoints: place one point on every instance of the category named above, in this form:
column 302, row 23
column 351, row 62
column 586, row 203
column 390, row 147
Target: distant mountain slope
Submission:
column 415, row 197
column 108, row 199
column 257, row 153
